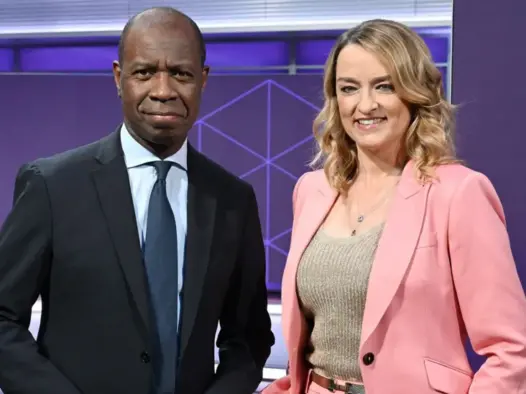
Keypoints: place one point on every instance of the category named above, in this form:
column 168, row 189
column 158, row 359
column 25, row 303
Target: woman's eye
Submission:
column 347, row 89
column 386, row 87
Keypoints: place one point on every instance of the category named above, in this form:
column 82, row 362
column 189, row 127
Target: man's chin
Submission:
column 156, row 134
column 165, row 136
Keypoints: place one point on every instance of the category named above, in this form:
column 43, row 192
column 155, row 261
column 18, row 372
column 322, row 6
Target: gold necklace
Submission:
column 361, row 217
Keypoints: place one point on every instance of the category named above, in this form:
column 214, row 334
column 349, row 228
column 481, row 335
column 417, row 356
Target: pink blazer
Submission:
column 443, row 272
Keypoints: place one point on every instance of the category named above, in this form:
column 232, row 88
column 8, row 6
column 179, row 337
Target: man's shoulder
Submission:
column 74, row 159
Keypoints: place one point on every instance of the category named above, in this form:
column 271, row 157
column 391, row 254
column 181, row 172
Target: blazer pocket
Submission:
column 427, row 240
column 445, row 379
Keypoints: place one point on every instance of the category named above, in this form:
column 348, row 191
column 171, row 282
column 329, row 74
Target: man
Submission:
column 138, row 246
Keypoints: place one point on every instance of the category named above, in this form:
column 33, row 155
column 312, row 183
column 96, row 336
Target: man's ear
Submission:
column 206, row 71
column 117, row 76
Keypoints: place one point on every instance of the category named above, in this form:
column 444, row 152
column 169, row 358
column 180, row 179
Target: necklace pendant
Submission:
column 353, row 233
column 360, row 218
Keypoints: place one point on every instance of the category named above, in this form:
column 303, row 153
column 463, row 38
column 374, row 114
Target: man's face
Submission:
column 160, row 82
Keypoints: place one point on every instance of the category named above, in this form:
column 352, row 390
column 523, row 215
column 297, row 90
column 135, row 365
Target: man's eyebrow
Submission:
column 140, row 63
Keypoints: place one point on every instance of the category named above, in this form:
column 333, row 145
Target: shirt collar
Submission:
column 136, row 155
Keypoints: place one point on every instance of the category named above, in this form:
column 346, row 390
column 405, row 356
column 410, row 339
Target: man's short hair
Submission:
column 166, row 11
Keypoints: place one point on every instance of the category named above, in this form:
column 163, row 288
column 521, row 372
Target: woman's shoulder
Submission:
column 456, row 174
column 453, row 172
column 454, row 178
column 309, row 182
column 312, row 178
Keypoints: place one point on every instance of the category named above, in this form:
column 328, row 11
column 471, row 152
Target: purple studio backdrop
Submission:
column 258, row 128
column 255, row 126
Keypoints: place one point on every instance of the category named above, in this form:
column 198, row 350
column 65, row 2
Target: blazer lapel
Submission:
column 201, row 220
column 307, row 222
column 113, row 187
column 395, row 249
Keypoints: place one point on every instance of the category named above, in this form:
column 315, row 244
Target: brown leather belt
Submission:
column 331, row 385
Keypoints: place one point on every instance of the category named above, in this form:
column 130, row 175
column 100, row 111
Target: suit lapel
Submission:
column 308, row 221
column 201, row 220
column 395, row 249
column 113, row 188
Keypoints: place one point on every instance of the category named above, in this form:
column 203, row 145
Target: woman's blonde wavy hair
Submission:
column 417, row 81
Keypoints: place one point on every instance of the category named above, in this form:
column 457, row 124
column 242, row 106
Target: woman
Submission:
column 399, row 253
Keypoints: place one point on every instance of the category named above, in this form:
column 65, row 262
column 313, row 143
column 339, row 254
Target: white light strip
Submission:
column 274, row 309
column 323, row 24
column 231, row 26
column 273, row 373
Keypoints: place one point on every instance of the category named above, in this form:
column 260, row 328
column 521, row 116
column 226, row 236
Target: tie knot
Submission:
column 162, row 168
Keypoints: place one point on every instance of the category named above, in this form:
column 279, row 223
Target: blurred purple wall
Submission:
column 487, row 83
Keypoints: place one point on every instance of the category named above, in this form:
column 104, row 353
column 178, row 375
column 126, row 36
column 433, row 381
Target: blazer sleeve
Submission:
column 489, row 291
column 25, row 256
column 245, row 338
column 297, row 196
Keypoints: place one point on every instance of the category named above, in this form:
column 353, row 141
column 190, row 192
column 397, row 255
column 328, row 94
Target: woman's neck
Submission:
column 377, row 170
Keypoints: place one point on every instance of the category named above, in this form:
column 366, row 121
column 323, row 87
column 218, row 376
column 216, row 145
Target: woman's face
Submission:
column 372, row 113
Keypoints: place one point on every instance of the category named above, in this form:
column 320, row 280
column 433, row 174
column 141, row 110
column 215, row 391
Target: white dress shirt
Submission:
column 142, row 178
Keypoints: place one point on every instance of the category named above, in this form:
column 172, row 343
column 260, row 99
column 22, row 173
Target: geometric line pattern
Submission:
column 267, row 159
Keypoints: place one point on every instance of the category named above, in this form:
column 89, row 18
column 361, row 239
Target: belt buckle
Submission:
column 333, row 387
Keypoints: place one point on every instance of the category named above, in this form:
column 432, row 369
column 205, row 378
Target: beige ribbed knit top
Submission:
column 332, row 281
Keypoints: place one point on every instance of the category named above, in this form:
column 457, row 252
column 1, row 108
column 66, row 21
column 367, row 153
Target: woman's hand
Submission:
column 279, row 386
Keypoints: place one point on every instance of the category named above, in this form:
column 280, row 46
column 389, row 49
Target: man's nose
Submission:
column 162, row 88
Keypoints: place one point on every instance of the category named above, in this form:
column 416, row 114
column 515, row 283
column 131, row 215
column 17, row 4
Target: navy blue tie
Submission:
column 160, row 255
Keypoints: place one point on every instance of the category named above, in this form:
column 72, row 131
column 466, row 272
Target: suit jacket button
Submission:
column 368, row 359
column 145, row 357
